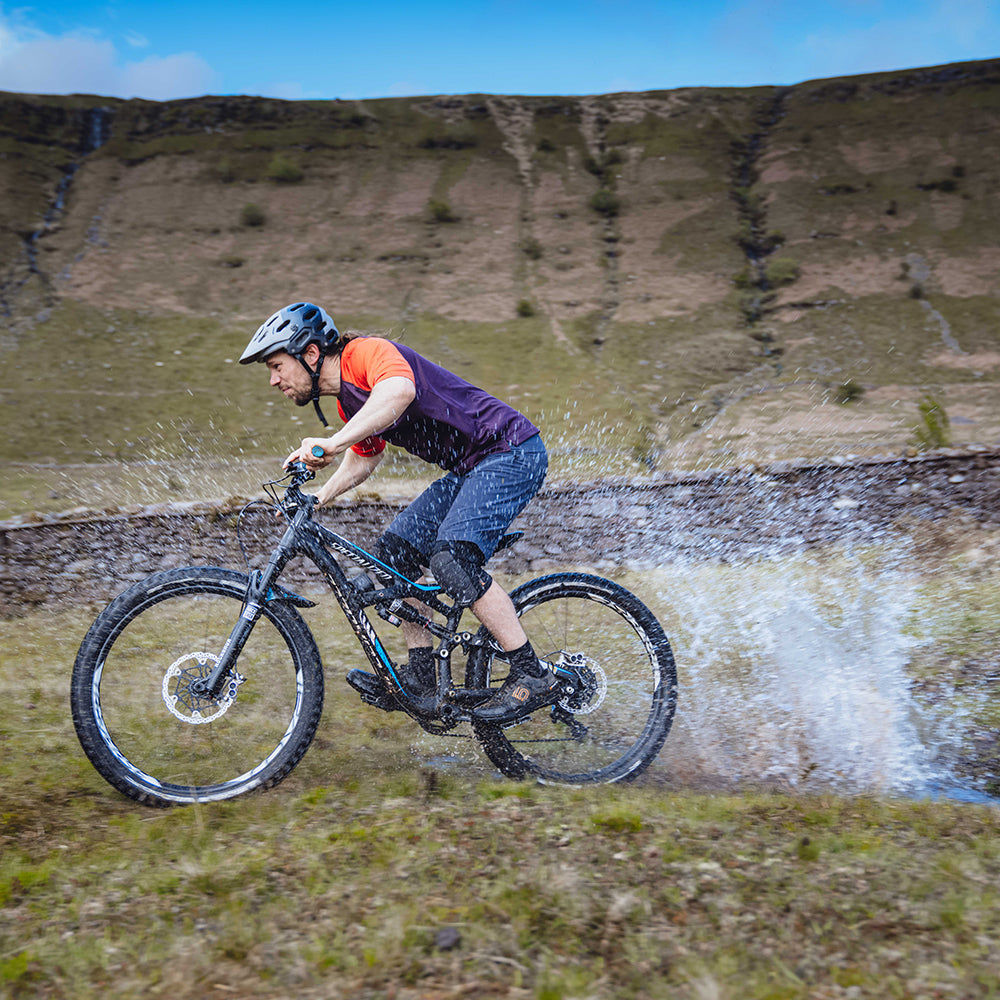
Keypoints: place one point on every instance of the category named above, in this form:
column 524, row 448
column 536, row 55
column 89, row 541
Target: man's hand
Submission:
column 353, row 469
column 304, row 453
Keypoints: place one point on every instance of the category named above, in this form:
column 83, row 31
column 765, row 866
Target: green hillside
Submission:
column 675, row 278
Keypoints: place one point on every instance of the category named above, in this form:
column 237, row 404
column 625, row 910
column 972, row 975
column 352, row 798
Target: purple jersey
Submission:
column 450, row 423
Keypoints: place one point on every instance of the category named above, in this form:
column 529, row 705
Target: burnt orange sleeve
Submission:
column 368, row 360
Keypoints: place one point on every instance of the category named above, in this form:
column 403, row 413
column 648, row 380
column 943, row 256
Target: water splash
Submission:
column 796, row 673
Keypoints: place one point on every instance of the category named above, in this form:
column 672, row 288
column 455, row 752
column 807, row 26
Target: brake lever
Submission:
column 299, row 473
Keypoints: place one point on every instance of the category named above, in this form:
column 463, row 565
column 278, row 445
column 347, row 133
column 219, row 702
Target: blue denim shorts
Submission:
column 477, row 506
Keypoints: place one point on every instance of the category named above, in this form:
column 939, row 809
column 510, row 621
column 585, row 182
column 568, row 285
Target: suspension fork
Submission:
column 258, row 593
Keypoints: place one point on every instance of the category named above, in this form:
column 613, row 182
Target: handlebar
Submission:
column 296, row 473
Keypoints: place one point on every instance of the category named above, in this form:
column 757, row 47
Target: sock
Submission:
column 524, row 660
column 421, row 660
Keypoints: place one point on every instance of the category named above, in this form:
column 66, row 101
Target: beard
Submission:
column 300, row 397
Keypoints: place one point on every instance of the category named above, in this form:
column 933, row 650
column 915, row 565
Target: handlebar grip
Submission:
column 317, row 451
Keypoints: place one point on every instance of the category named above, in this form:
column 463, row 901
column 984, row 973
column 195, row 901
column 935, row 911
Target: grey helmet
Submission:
column 292, row 329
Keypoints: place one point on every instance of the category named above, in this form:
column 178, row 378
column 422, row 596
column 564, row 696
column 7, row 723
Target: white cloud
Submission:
column 70, row 64
column 288, row 91
column 35, row 63
column 160, row 79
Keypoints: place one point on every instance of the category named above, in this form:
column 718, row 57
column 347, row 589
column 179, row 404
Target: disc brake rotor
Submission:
column 187, row 706
column 593, row 684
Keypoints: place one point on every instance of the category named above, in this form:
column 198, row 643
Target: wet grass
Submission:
column 367, row 874
column 393, row 863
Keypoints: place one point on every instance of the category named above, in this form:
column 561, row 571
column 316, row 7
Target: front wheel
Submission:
column 137, row 713
column 615, row 726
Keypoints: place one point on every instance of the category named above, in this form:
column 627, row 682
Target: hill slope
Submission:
column 672, row 277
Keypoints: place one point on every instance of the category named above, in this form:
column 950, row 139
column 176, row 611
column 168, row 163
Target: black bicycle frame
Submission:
column 306, row 538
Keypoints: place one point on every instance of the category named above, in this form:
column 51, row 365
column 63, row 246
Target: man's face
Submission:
column 290, row 377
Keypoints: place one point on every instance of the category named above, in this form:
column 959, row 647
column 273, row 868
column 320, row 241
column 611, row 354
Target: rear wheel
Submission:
column 614, row 727
column 145, row 729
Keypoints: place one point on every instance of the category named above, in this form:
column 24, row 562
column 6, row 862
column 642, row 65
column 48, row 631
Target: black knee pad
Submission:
column 401, row 555
column 458, row 569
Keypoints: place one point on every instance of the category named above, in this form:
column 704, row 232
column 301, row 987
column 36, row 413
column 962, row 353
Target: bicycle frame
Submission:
column 305, row 537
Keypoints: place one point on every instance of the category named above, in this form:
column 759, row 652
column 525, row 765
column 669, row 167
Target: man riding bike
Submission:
column 494, row 459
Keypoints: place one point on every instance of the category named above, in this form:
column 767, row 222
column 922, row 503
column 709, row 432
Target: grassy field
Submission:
column 409, row 882
column 396, row 864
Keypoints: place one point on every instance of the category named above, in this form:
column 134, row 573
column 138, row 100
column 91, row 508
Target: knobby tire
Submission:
column 618, row 733
column 135, row 663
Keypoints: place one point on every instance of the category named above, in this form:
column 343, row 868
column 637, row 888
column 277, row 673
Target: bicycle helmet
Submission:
column 293, row 329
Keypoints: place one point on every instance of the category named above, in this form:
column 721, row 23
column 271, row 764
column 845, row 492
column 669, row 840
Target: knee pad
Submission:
column 401, row 555
column 458, row 569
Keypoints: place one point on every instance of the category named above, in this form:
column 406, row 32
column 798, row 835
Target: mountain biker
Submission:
column 494, row 459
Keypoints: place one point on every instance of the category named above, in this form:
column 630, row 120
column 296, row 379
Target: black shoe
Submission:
column 518, row 696
column 372, row 690
column 416, row 679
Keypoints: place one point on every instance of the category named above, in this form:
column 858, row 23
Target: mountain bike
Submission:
column 202, row 683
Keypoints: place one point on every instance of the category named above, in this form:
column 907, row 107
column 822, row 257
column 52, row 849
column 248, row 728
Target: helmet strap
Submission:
column 314, row 375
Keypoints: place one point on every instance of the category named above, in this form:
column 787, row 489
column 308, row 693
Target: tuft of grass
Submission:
column 781, row 271
column 848, row 392
column 605, row 203
column 252, row 215
column 618, row 821
column 440, row 211
column 933, row 429
column 532, row 249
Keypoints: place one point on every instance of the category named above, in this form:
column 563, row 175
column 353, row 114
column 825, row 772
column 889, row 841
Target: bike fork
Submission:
column 259, row 591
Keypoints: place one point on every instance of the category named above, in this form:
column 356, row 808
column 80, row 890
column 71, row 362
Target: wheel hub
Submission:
column 181, row 696
column 592, row 686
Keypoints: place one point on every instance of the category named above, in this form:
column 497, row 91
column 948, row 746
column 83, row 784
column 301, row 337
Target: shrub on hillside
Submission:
column 284, row 170
column 782, row 271
column 605, row 202
column 531, row 248
column 934, row 428
column 441, row 211
column 459, row 137
column 848, row 392
column 252, row 215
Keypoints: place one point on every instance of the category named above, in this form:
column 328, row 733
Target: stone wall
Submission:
column 742, row 513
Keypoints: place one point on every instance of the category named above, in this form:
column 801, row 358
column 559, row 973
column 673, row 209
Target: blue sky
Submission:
column 389, row 48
